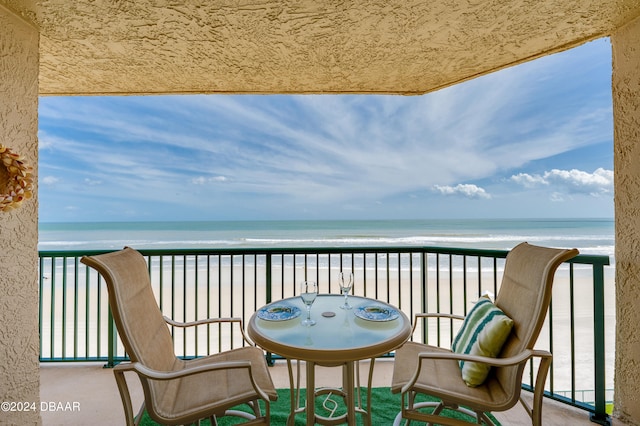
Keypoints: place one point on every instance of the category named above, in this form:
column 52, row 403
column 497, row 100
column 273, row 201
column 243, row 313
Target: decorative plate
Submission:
column 278, row 313
column 376, row 313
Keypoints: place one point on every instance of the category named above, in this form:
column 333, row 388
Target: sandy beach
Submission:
column 205, row 290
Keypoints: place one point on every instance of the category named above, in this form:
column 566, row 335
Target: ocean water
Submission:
column 590, row 236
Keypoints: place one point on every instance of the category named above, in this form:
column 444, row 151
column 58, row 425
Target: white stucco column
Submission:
column 19, row 340
column 626, row 111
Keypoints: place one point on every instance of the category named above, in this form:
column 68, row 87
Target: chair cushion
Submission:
column 441, row 378
column 213, row 391
column 483, row 332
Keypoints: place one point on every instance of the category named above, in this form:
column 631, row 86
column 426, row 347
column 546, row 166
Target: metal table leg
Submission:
column 350, row 392
column 310, row 403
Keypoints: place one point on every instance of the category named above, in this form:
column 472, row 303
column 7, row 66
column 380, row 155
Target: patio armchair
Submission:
column 176, row 391
column 482, row 372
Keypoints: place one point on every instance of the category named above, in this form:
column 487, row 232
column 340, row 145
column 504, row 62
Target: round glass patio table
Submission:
column 339, row 338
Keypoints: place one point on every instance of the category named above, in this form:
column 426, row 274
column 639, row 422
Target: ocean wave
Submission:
column 426, row 239
column 592, row 244
column 590, row 237
column 586, row 244
column 139, row 244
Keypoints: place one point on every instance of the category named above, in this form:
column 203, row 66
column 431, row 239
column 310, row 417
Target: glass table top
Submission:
column 370, row 329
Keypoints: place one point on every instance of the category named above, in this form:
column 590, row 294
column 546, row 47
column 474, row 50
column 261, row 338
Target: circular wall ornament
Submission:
column 16, row 179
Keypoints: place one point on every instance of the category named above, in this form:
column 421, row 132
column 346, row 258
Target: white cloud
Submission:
column 201, row 180
column 92, row 182
column 49, row 180
column 600, row 182
column 556, row 197
column 466, row 190
column 597, row 183
column 528, row 181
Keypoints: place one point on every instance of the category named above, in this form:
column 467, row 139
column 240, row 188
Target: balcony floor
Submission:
column 94, row 390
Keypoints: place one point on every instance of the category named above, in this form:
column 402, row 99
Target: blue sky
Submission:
column 531, row 141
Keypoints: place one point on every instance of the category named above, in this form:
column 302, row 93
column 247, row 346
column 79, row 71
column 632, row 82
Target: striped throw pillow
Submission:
column 484, row 331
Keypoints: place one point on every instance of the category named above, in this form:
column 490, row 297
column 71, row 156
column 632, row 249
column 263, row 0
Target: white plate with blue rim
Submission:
column 278, row 312
column 376, row 313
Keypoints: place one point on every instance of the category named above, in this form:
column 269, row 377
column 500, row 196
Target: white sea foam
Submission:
column 590, row 236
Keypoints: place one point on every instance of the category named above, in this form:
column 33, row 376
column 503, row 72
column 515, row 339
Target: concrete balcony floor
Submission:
column 92, row 389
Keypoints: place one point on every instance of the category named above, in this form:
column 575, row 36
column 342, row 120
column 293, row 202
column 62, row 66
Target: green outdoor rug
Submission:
column 384, row 408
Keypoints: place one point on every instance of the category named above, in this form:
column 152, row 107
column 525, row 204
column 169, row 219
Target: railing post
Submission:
column 268, row 278
column 424, row 268
column 40, row 307
column 52, row 319
column 600, row 415
column 268, row 284
column 111, row 341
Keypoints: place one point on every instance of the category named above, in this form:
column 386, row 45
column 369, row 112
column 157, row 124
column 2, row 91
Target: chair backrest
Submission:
column 138, row 319
column 525, row 295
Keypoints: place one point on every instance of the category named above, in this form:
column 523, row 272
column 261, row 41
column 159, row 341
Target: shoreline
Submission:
column 590, row 235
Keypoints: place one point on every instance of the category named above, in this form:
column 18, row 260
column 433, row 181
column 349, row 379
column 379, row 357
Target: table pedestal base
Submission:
column 350, row 392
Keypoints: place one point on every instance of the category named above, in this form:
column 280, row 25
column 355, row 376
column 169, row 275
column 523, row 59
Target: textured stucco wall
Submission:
column 19, row 343
column 626, row 102
column 304, row 46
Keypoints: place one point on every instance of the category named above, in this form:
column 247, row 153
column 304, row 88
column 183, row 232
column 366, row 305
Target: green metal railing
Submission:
column 76, row 324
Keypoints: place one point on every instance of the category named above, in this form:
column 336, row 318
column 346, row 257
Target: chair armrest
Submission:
column 211, row 321
column 434, row 315
column 495, row 362
column 438, row 315
column 200, row 322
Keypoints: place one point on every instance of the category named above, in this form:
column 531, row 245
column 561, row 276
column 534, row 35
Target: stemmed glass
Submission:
column 346, row 282
column 308, row 293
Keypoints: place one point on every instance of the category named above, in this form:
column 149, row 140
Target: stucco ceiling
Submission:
column 306, row 46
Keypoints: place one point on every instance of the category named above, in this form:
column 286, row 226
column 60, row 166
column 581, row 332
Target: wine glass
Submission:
column 346, row 282
column 308, row 293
